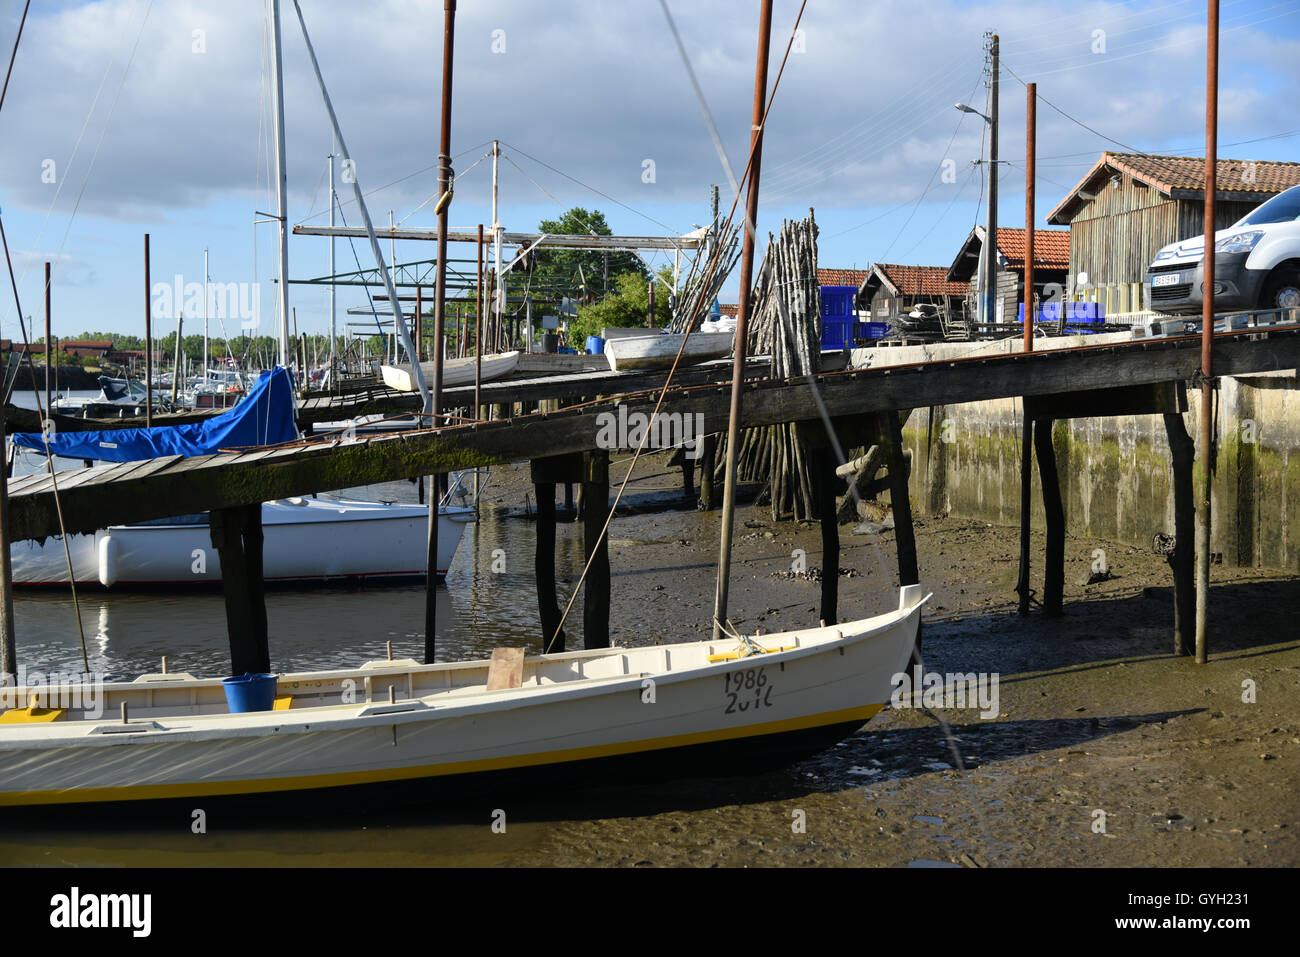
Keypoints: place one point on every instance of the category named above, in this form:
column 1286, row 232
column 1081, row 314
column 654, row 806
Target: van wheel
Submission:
column 1282, row 290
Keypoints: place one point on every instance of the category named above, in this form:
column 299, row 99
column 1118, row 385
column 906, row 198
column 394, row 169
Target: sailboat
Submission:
column 305, row 540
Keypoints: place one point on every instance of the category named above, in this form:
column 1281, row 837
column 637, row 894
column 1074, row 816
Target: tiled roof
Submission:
column 1051, row 247
column 87, row 343
column 1183, row 177
column 729, row 308
column 920, row 280
column 841, row 277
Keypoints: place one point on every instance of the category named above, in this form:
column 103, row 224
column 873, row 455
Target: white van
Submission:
column 1256, row 263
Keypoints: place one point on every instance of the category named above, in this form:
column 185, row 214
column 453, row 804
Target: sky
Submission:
column 126, row 117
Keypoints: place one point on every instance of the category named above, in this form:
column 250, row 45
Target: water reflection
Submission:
column 323, row 627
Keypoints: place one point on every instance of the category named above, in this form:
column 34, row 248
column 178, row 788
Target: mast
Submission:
column 281, row 200
column 742, row 320
column 333, row 302
column 500, row 300
column 205, row 314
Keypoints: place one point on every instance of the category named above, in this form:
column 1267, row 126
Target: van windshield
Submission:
column 1282, row 208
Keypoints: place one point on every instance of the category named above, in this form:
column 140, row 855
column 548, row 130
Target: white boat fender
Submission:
column 107, row 561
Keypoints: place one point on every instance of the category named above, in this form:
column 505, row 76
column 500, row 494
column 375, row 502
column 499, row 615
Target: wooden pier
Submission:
column 1139, row 377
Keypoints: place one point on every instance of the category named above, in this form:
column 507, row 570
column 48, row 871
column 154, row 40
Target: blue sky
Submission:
column 176, row 144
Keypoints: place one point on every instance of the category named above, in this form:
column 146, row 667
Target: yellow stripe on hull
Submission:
column 143, row 792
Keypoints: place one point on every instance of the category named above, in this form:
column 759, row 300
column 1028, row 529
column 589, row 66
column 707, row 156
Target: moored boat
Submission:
column 454, row 371
column 658, row 352
column 303, row 540
column 172, row 736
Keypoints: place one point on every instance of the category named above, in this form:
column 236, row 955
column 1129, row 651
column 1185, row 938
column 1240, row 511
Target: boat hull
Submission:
column 574, row 708
column 304, row 540
column 454, row 371
column 659, row 352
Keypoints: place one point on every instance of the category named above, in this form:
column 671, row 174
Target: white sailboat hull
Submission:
column 442, row 721
column 454, row 371
column 658, row 352
column 303, row 540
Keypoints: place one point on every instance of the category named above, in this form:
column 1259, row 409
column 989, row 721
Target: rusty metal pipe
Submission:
column 742, row 319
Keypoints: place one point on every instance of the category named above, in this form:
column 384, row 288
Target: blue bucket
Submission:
column 248, row 692
column 595, row 346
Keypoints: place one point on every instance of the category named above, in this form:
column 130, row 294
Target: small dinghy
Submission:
column 658, row 352
column 173, row 736
column 454, row 371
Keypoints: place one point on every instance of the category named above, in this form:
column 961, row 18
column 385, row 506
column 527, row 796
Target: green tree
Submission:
column 580, row 273
column 629, row 306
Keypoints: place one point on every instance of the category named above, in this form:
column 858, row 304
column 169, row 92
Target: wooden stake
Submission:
column 544, row 569
column 596, row 594
column 1182, row 453
column 1054, row 560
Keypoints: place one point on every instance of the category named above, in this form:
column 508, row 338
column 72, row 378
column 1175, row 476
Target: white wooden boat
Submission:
column 398, row 721
column 304, row 540
column 658, row 352
column 454, row 371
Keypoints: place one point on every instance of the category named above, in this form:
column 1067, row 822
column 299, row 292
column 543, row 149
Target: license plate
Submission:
column 1168, row 279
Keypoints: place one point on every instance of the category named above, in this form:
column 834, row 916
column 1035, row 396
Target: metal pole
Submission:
column 439, row 317
column 478, row 327
column 742, row 318
column 1207, row 329
column 148, row 342
column 1031, row 184
column 419, row 323
column 205, row 314
column 49, row 354
column 991, row 244
column 8, row 642
column 333, row 296
column 1027, row 427
column 498, row 304
column 281, row 196
column 176, row 362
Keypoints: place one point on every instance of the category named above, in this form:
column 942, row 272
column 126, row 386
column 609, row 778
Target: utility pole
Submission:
column 991, row 242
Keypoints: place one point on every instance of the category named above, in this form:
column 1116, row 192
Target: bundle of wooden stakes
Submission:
column 785, row 323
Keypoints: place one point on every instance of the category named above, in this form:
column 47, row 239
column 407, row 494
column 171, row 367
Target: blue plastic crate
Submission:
column 837, row 333
column 837, row 301
column 874, row 330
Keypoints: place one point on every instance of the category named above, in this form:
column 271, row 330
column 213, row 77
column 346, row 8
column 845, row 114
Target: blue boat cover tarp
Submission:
column 263, row 417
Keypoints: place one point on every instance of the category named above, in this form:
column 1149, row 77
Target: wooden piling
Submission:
column 708, row 462
column 899, row 499
column 1054, row 559
column 824, row 468
column 544, row 568
column 237, row 536
column 596, row 593
column 1182, row 561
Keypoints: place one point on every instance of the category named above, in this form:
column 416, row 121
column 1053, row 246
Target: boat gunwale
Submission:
column 79, row 732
